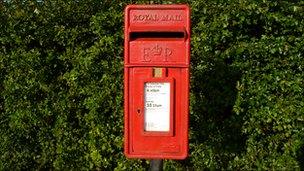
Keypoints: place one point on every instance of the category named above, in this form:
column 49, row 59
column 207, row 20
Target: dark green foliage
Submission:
column 61, row 98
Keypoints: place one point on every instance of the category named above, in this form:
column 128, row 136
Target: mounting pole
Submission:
column 156, row 165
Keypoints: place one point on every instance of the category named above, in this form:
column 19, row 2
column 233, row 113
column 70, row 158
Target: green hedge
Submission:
column 61, row 75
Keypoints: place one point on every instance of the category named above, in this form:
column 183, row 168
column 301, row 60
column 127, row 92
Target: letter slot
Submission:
column 157, row 35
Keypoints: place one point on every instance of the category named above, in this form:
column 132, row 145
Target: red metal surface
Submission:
column 156, row 36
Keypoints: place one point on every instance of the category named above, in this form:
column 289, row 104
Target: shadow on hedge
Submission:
column 215, row 127
column 300, row 156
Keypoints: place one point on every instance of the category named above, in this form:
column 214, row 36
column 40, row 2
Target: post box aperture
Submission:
column 156, row 81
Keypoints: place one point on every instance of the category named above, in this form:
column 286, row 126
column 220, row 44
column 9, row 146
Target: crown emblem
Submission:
column 156, row 50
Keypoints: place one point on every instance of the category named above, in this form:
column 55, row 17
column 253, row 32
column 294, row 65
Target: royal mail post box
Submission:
column 156, row 81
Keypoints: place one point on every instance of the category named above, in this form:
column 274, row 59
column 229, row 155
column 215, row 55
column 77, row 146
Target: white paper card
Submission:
column 157, row 106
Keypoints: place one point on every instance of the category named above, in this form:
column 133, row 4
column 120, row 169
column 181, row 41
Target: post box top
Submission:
column 157, row 35
column 162, row 16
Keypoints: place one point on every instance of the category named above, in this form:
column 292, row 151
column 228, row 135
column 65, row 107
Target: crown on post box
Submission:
column 156, row 51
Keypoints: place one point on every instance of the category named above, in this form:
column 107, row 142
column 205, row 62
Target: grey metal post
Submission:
column 156, row 165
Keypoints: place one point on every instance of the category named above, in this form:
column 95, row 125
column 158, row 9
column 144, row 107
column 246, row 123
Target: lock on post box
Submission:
column 156, row 81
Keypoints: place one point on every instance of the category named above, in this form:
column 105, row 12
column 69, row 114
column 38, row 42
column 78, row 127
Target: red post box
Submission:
column 156, row 81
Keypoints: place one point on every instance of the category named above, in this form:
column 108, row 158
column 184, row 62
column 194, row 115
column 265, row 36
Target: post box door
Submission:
column 168, row 138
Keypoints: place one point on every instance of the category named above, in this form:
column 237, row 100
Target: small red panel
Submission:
column 157, row 15
column 158, row 52
column 156, row 81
